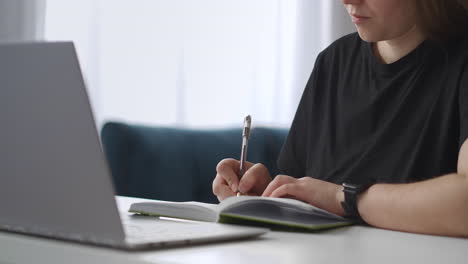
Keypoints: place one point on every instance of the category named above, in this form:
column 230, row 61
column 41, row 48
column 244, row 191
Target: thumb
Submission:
column 254, row 180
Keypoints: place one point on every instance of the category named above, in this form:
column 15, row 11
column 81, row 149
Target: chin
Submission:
column 368, row 36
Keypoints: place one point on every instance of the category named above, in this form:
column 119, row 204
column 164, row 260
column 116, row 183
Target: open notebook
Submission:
column 276, row 213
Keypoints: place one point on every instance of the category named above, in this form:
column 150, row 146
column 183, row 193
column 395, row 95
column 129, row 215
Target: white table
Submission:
column 355, row 244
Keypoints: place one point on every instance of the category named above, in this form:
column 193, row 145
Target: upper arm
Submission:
column 463, row 159
column 291, row 160
column 463, row 107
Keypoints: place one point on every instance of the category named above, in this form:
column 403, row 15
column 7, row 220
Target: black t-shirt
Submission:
column 361, row 120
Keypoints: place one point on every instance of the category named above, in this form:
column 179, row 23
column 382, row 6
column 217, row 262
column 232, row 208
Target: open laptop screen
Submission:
column 54, row 177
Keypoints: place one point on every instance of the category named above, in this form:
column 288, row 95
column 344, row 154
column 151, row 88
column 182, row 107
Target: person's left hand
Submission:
column 322, row 194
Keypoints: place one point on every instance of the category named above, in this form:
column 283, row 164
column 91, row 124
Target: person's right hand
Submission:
column 254, row 181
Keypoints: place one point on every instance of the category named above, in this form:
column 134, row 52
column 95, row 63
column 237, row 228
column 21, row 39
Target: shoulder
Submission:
column 457, row 51
column 343, row 50
column 345, row 45
column 462, row 50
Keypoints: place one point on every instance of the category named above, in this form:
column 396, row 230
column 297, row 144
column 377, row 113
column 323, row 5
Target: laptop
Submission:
column 54, row 177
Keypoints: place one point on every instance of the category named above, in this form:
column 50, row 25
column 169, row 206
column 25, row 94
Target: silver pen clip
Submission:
column 247, row 124
column 245, row 141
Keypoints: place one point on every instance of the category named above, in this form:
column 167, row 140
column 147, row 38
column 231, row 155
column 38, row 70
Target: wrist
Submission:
column 361, row 209
column 339, row 199
column 353, row 194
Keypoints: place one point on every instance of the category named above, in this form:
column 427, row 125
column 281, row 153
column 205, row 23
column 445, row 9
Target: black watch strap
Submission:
column 351, row 192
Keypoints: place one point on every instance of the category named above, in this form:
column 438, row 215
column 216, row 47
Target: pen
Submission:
column 245, row 141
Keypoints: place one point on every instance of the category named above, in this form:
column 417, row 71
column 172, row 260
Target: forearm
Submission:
column 436, row 206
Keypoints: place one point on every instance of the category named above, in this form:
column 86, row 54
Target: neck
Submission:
column 389, row 51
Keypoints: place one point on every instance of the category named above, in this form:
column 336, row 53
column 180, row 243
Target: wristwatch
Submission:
column 351, row 191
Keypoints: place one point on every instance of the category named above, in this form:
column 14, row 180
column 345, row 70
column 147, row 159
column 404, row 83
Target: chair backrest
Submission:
column 179, row 164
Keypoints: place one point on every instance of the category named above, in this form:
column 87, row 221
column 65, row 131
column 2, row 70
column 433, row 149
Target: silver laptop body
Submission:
column 54, row 179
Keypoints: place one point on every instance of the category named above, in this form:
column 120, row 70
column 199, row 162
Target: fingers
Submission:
column 226, row 181
column 288, row 187
column 255, row 180
column 228, row 169
column 287, row 190
column 276, row 183
column 221, row 189
column 322, row 194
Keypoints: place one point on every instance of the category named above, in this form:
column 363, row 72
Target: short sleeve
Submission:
column 293, row 155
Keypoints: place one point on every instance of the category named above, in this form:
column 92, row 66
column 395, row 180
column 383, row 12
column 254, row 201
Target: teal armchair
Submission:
column 179, row 164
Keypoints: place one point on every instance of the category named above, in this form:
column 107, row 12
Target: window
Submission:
column 192, row 63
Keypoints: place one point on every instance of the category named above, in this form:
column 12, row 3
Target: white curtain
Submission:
column 196, row 63
column 21, row 20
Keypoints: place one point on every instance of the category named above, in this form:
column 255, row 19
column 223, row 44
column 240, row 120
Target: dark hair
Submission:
column 443, row 20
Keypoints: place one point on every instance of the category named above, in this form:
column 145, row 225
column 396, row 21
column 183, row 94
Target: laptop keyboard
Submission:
column 163, row 228
column 144, row 228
